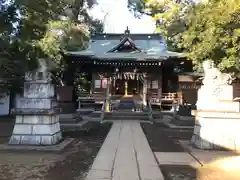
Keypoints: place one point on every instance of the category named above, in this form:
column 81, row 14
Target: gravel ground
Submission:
column 71, row 164
column 163, row 139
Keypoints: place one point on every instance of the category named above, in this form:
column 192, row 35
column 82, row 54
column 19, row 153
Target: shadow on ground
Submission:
column 80, row 155
column 221, row 165
column 163, row 139
column 186, row 172
column 72, row 163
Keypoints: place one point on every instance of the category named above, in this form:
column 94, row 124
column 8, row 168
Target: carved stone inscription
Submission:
column 223, row 92
column 24, row 103
column 35, row 90
column 217, row 91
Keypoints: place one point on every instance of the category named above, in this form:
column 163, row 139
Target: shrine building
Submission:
column 131, row 65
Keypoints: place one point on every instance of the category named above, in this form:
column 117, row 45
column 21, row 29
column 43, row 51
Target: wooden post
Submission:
column 145, row 91
column 126, row 88
column 108, row 95
column 159, row 93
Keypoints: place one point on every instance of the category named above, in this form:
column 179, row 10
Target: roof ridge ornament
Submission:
column 127, row 31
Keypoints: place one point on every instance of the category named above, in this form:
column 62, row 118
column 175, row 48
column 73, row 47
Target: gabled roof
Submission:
column 123, row 43
column 145, row 46
column 126, row 43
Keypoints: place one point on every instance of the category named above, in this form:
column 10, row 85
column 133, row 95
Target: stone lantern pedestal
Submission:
column 37, row 119
column 218, row 115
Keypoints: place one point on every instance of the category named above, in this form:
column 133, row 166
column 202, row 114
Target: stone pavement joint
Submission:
column 148, row 166
column 115, row 154
column 125, row 155
column 103, row 163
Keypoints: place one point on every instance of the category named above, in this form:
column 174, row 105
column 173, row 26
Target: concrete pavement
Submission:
column 125, row 155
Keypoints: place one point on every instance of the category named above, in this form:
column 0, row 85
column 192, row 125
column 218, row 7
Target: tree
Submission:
column 169, row 18
column 12, row 66
column 33, row 29
column 214, row 33
column 204, row 31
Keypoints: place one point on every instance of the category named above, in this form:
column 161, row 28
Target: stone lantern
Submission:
column 37, row 119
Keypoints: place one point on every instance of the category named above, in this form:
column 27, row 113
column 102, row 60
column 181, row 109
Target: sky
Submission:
column 116, row 17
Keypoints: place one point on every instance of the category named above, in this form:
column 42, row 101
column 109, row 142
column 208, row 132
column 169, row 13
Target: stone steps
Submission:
column 140, row 118
column 70, row 118
column 126, row 115
column 157, row 115
column 183, row 122
column 174, row 122
column 94, row 106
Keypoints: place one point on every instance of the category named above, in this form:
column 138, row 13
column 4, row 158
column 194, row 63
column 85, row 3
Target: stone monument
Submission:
column 218, row 115
column 37, row 119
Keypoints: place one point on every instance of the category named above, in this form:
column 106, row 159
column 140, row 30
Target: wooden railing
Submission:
column 169, row 100
column 169, row 96
column 85, row 96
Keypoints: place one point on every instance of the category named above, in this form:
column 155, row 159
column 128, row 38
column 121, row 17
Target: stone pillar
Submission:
column 37, row 120
column 79, row 104
column 145, row 83
column 126, row 88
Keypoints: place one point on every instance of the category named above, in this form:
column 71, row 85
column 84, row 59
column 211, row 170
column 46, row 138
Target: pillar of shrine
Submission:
column 144, row 98
column 126, row 88
column 107, row 107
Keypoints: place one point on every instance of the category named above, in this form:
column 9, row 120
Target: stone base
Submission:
column 36, row 130
column 217, row 130
column 229, row 106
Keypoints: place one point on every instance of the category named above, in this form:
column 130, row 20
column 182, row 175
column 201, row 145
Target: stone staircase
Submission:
column 157, row 115
column 127, row 104
column 70, row 118
column 95, row 116
column 183, row 120
column 75, row 121
column 126, row 115
column 176, row 121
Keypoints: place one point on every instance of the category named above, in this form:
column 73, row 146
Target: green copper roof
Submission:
column 136, row 56
column 151, row 45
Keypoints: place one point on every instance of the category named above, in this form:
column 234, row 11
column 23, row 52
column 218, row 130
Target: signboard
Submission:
column 4, row 104
column 97, row 84
column 104, row 83
column 154, row 84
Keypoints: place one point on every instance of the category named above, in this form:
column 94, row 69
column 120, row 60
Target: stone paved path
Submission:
column 125, row 155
